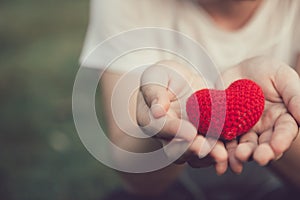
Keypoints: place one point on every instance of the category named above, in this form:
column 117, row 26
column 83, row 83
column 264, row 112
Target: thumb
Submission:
column 157, row 99
column 154, row 88
column 287, row 83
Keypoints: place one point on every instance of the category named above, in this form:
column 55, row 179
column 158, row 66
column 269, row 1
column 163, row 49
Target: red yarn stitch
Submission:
column 243, row 101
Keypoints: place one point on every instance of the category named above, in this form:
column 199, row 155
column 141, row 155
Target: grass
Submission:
column 41, row 155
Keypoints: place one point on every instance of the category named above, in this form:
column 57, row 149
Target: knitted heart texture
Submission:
column 242, row 105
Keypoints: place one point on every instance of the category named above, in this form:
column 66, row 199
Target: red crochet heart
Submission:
column 244, row 104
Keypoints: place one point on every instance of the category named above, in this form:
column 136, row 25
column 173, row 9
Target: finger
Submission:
column 285, row 131
column 264, row 153
column 154, row 88
column 221, row 167
column 269, row 116
column 167, row 127
column 247, row 145
column 177, row 128
column 183, row 151
column 174, row 149
column 193, row 150
column 157, row 98
column 142, row 111
column 176, row 138
column 200, row 148
column 287, row 83
column 235, row 164
column 220, row 155
column 265, row 137
column 218, row 152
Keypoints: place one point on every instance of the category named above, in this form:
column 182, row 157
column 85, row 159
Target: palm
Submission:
column 275, row 131
column 272, row 112
column 274, row 108
column 164, row 90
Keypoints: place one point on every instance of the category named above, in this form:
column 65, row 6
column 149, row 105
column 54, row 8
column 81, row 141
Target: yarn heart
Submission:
column 226, row 114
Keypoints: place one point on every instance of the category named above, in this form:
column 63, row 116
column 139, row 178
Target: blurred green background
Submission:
column 41, row 156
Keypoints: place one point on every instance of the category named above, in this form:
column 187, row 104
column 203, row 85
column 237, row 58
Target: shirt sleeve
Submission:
column 104, row 45
column 296, row 34
column 107, row 18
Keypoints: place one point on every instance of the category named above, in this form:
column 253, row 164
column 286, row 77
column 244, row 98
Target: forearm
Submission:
column 288, row 167
column 146, row 183
column 151, row 183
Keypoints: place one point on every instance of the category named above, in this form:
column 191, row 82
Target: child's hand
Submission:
column 278, row 126
column 161, row 100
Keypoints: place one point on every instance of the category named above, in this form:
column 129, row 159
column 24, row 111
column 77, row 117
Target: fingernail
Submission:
column 157, row 110
column 204, row 151
column 279, row 156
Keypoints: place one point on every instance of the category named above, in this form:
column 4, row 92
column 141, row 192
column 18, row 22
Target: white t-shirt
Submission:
column 273, row 31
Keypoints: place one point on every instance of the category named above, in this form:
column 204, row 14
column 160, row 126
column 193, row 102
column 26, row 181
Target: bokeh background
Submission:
column 41, row 156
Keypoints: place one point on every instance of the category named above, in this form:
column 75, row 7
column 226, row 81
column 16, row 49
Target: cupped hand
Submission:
column 278, row 127
column 164, row 89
